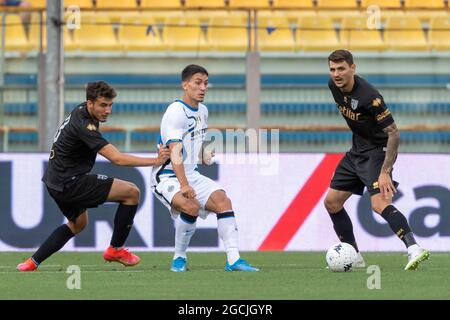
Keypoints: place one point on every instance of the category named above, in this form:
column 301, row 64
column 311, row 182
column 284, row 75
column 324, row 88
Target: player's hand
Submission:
column 187, row 192
column 386, row 185
column 208, row 157
column 163, row 154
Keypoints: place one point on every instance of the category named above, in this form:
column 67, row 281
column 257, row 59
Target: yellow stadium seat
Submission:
column 80, row 3
column 228, row 33
column 37, row 3
column 355, row 35
column 275, row 34
column 15, row 36
column 414, row 4
column 316, row 34
column 183, row 34
column 323, row 4
column 116, row 4
column 381, row 3
column 249, row 4
column 292, row 4
column 95, row 33
column 139, row 33
column 404, row 33
column 205, row 4
column 440, row 33
column 160, row 3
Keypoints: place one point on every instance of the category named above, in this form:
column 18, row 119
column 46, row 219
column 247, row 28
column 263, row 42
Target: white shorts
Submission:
column 168, row 187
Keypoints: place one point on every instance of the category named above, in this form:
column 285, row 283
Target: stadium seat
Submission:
column 116, row 4
column 356, row 36
column 316, row 34
column 228, row 33
column 381, row 3
column 416, row 4
column 37, row 3
column 80, row 3
column 184, row 33
column 204, row 4
column 249, row 4
column 275, row 34
column 15, row 36
column 96, row 33
column 139, row 33
column 160, row 3
column 439, row 35
column 404, row 33
column 326, row 4
column 292, row 4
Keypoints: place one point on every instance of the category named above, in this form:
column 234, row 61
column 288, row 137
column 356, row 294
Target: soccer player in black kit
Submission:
column 370, row 161
column 74, row 188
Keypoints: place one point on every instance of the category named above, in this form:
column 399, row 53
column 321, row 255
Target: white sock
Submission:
column 413, row 248
column 228, row 232
column 183, row 234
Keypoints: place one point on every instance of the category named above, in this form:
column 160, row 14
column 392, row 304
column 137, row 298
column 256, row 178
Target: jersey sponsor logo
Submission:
column 354, row 104
column 376, row 102
column 346, row 112
column 102, row 177
column 383, row 115
column 91, row 127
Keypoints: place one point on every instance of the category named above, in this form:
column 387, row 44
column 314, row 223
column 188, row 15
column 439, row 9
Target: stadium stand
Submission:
column 291, row 102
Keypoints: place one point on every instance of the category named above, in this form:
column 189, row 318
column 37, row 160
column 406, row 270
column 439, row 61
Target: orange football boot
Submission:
column 122, row 256
column 28, row 265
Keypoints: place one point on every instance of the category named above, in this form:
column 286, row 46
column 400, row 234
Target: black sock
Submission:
column 343, row 227
column 54, row 242
column 123, row 221
column 399, row 225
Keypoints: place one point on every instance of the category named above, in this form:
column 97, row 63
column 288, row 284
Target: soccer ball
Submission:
column 341, row 257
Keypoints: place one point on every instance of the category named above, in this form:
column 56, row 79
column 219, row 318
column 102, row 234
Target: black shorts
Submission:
column 87, row 191
column 356, row 171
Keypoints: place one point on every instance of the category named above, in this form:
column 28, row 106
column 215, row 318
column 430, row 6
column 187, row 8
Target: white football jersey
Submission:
column 183, row 123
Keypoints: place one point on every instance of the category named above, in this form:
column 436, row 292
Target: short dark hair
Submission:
column 97, row 89
column 341, row 55
column 190, row 70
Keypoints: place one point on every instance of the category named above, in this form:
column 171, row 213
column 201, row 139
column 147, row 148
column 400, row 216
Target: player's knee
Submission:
column 77, row 227
column 133, row 194
column 378, row 207
column 226, row 204
column 331, row 205
column 191, row 208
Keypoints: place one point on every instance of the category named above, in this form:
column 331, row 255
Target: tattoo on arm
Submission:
column 391, row 148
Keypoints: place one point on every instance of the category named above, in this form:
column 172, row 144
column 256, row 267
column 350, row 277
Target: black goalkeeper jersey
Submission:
column 74, row 148
column 365, row 112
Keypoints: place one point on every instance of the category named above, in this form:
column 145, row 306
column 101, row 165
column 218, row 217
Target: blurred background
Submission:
column 267, row 61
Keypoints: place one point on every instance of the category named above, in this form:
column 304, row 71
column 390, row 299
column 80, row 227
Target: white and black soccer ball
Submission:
column 341, row 257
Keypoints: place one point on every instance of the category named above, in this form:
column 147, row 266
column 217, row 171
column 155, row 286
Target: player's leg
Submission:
column 57, row 239
column 219, row 203
column 399, row 225
column 185, row 226
column 345, row 182
column 127, row 194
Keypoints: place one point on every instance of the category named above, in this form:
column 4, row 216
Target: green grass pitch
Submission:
column 284, row 275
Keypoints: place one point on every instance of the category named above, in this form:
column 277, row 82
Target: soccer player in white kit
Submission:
column 178, row 184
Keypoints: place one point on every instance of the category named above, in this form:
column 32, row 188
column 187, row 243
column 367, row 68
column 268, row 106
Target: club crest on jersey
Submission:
column 354, row 104
column 91, row 127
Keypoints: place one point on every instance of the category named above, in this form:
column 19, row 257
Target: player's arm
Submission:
column 111, row 153
column 176, row 159
column 385, row 183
